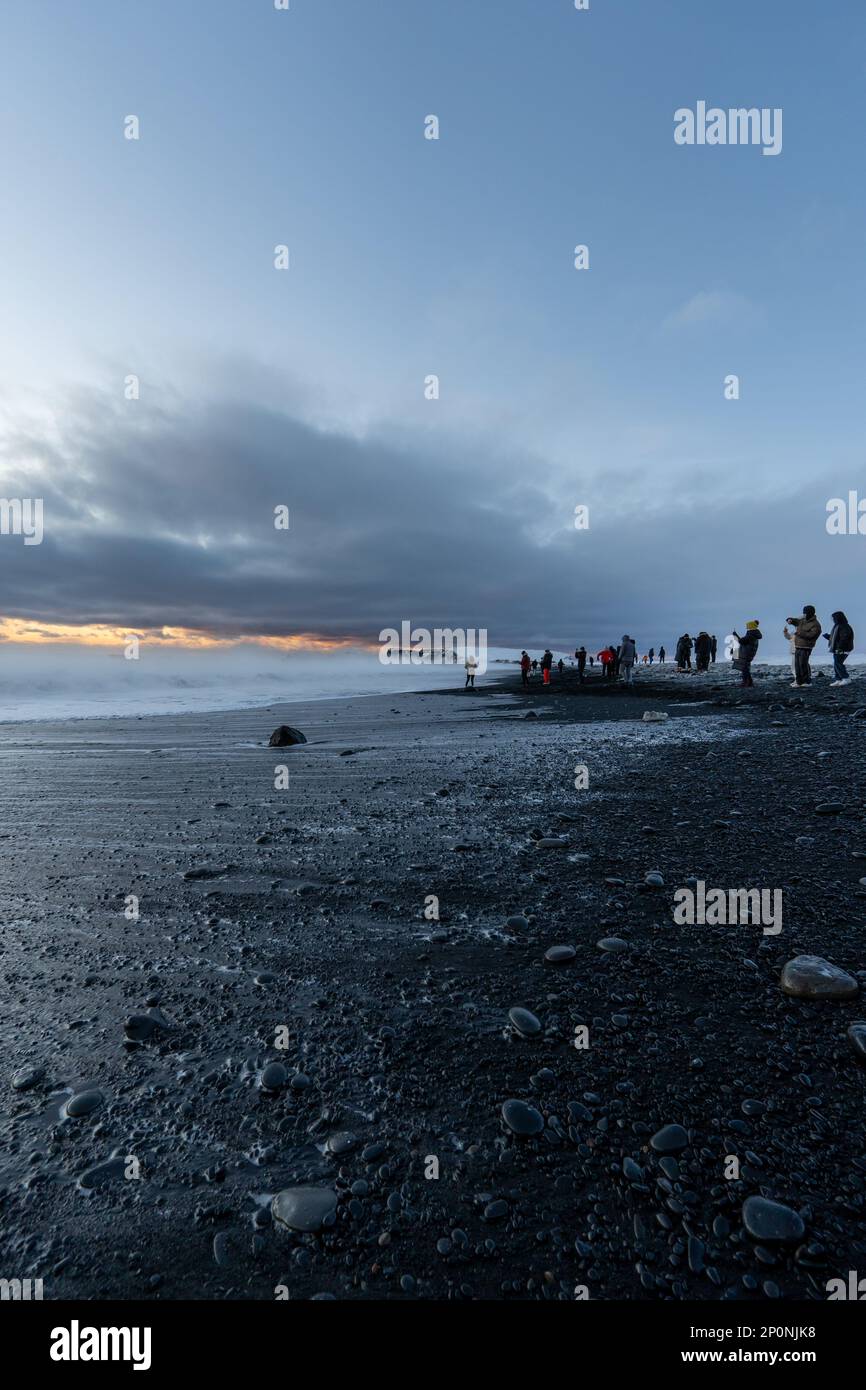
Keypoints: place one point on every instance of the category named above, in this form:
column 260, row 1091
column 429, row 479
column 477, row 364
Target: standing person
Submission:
column 748, row 650
column 581, row 662
column 661, row 656
column 546, row 663
column 841, row 641
column 604, row 657
column 652, row 652
column 627, row 654
column 560, row 666
column 591, row 662
column 702, row 651
column 714, row 646
column 535, row 663
column 471, row 667
column 807, row 630
column 525, row 664
column 789, row 636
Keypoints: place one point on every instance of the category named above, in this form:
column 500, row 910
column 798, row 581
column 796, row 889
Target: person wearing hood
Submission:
column 525, row 665
column 581, row 662
column 546, row 663
column 748, row 650
column 684, row 653
column 841, row 641
column 807, row 630
column 627, row 654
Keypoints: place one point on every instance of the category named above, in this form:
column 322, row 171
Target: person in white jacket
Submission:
column 471, row 667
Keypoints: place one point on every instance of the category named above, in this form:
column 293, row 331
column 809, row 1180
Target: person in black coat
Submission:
column 841, row 640
column 748, row 650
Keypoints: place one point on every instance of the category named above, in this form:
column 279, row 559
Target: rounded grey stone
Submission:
column 521, row 1118
column 766, row 1220
column 670, row 1139
column 84, row 1103
column 559, row 955
column 304, row 1208
column 27, row 1077
column 524, row 1022
column 812, row 977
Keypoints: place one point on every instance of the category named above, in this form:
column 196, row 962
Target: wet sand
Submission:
column 301, row 938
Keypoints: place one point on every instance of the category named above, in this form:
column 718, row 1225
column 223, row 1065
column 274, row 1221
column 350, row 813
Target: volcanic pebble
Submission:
column 524, row 1022
column 304, row 1208
column 83, row 1104
column 766, row 1220
column 521, row 1118
column 670, row 1139
column 559, row 955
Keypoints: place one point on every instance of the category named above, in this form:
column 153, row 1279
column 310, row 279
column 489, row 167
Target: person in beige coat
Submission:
column 807, row 630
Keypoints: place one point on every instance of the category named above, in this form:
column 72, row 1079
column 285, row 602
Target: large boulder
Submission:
column 285, row 736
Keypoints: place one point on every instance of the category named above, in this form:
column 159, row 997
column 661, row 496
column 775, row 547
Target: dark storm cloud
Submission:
column 165, row 518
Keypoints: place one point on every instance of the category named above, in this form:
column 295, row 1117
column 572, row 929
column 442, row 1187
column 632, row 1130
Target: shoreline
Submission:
column 303, row 910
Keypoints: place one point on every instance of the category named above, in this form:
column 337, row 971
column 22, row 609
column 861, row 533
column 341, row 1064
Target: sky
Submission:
column 411, row 257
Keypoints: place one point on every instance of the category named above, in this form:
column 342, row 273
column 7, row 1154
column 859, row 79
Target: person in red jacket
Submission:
column 525, row 664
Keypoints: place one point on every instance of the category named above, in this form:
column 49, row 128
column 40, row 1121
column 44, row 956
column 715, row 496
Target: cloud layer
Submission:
column 165, row 517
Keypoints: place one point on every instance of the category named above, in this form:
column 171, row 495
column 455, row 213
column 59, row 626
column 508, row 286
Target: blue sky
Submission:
column 410, row 256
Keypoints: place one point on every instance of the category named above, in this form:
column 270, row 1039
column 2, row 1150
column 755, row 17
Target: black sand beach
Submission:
column 303, row 910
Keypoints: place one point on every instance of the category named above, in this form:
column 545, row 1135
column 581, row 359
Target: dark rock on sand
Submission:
column 141, row 1027
column 274, row 1076
column 27, row 1077
column 559, row 955
column 857, row 1038
column 101, row 1173
column 84, row 1103
column 524, row 1022
column 670, row 1139
column 522, row 1119
column 285, row 737
column 766, row 1220
column 304, row 1208
column 342, row 1143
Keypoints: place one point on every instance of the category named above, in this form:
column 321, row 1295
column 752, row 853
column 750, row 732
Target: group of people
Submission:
column 528, row 664
column 618, row 660
column 704, row 647
column 802, row 634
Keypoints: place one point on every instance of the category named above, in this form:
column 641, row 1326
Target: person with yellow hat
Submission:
column 748, row 650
